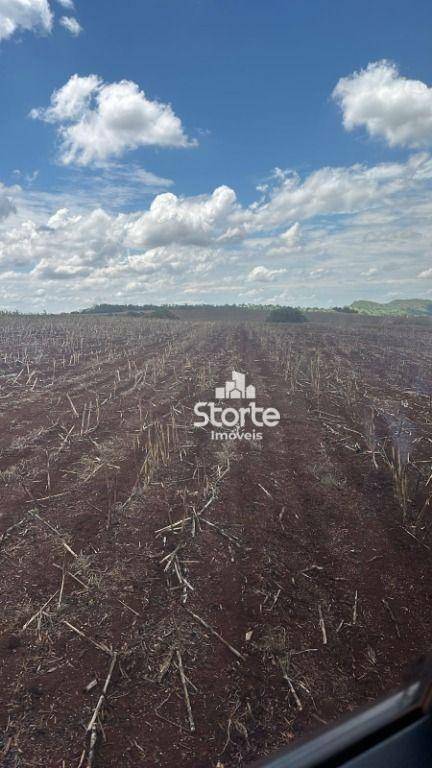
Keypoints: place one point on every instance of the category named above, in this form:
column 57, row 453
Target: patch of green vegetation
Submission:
column 397, row 307
column 286, row 315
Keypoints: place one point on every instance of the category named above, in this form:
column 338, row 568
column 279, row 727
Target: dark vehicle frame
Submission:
column 396, row 732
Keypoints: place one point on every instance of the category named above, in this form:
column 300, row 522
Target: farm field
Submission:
column 225, row 597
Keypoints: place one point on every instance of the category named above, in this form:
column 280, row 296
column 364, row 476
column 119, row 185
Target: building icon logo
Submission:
column 236, row 389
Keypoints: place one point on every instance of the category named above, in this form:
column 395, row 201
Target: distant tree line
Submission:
column 110, row 309
column 106, row 309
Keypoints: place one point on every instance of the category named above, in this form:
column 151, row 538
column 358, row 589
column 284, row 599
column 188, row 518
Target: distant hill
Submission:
column 397, row 307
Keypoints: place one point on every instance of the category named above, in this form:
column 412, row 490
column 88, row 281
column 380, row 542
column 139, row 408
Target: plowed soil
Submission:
column 242, row 593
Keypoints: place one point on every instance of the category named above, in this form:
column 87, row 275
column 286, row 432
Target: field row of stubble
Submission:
column 167, row 599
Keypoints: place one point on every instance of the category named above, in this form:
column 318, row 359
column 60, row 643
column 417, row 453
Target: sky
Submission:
column 214, row 151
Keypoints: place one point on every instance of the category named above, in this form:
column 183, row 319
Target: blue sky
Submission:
column 226, row 168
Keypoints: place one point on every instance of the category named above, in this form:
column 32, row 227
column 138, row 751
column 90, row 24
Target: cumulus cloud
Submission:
column 71, row 102
column 171, row 219
column 70, row 245
column 77, row 241
column 99, row 121
column 24, row 15
column 72, row 25
column 34, row 16
column 387, row 105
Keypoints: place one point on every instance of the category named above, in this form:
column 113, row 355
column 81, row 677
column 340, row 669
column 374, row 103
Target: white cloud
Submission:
column 46, row 270
column 34, row 16
column 7, row 204
column 171, row 219
column 264, row 274
column 363, row 231
column 319, row 272
column 26, row 15
column 290, row 237
column 70, row 245
column 72, row 25
column 77, row 250
column 71, row 102
column 338, row 190
column 388, row 105
column 99, row 121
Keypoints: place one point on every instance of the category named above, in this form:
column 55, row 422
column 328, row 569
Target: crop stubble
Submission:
column 171, row 600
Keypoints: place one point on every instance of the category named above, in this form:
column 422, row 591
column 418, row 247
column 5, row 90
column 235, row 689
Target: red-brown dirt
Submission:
column 307, row 552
